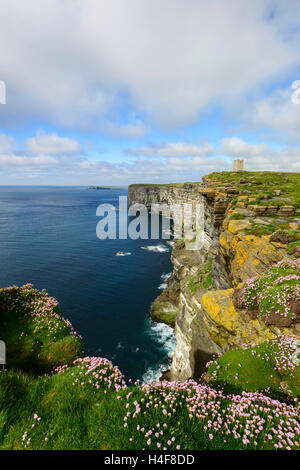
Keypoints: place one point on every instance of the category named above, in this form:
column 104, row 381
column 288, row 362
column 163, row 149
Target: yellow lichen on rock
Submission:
column 242, row 254
column 225, row 239
column 229, row 327
column 248, row 255
column 262, row 332
column 235, row 226
column 219, row 306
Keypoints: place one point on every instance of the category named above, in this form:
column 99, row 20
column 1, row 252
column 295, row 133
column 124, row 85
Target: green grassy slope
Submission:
column 37, row 337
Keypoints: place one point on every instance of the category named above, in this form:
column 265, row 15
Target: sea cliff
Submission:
column 251, row 223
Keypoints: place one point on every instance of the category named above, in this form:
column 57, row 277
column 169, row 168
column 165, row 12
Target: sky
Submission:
column 97, row 92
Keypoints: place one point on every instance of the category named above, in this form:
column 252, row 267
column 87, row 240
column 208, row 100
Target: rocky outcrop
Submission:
column 246, row 255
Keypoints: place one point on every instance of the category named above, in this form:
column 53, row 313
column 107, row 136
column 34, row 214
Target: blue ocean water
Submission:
column 48, row 238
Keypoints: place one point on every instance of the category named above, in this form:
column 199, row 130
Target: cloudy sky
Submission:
column 127, row 91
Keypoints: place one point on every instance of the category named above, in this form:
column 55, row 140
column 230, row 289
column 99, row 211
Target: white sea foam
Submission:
column 170, row 242
column 164, row 278
column 162, row 286
column 153, row 375
column 120, row 253
column 156, row 248
column 164, row 336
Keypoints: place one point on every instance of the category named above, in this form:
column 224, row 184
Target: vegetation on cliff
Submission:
column 260, row 187
column 273, row 297
column 36, row 335
column 257, row 217
column 202, row 279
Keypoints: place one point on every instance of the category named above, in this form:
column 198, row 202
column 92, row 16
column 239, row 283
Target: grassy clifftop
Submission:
column 262, row 184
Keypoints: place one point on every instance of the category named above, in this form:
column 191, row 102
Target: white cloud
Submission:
column 72, row 61
column 275, row 112
column 257, row 156
column 261, row 156
column 12, row 160
column 173, row 149
column 7, row 143
column 179, row 164
column 133, row 130
column 52, row 144
column 234, row 146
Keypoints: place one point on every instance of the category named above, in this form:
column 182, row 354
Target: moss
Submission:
column 164, row 312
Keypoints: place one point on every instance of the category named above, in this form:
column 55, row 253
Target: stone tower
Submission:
column 238, row 165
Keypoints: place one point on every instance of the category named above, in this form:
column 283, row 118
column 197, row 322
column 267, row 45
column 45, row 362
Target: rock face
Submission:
column 246, row 255
column 148, row 194
column 193, row 271
column 198, row 296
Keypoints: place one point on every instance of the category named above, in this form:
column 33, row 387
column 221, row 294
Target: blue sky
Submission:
column 145, row 91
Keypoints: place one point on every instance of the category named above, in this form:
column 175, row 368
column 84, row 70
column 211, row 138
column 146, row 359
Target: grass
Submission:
column 260, row 368
column 259, row 230
column 262, row 185
column 163, row 311
column 60, row 412
column 37, row 337
column 237, row 217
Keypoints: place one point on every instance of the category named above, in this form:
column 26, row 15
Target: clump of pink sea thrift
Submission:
column 96, row 372
column 274, row 293
column 250, row 419
column 42, row 310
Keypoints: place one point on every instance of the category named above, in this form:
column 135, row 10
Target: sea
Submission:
column 48, row 238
